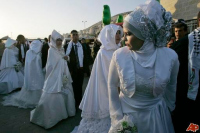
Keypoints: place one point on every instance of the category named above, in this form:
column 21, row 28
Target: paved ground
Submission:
column 15, row 120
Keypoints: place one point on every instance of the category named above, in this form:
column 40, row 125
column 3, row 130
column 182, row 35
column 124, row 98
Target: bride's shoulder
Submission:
column 122, row 51
column 167, row 52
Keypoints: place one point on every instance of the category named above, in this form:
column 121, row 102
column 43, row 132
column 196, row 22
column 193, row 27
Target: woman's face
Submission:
column 118, row 37
column 131, row 40
column 59, row 42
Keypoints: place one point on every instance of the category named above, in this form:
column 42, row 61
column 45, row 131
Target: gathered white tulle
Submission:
column 93, row 126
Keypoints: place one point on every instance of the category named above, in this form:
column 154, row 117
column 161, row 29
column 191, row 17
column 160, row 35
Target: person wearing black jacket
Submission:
column 87, row 57
column 45, row 49
column 74, row 56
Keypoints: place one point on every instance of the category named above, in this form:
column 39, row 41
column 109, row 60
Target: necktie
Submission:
column 76, row 53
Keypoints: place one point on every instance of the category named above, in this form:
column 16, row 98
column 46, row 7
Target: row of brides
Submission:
column 144, row 70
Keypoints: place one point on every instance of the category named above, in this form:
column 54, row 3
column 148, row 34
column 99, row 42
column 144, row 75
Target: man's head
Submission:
column 180, row 29
column 74, row 36
column 83, row 40
column 46, row 40
column 21, row 39
column 198, row 19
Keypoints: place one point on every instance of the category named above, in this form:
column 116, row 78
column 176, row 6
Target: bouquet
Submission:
column 17, row 66
column 126, row 125
column 65, row 79
column 126, row 128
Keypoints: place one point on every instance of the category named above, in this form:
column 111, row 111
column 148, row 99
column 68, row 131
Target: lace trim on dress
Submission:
column 96, row 115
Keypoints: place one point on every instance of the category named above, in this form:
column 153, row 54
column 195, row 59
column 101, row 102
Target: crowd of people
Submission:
column 150, row 85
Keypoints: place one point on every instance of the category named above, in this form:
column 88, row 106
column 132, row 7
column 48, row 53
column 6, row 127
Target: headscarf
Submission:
column 35, row 48
column 10, row 42
column 54, row 36
column 107, row 36
column 151, row 23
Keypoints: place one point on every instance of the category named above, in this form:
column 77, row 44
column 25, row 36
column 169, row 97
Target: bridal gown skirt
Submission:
column 53, row 107
column 23, row 99
column 93, row 125
column 10, row 80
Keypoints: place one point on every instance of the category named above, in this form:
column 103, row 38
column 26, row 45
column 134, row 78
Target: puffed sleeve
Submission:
column 114, row 101
column 170, row 92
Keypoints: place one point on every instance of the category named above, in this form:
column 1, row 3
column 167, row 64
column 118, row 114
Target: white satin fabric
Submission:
column 149, row 100
column 57, row 101
column 31, row 91
column 94, row 105
column 95, row 100
column 9, row 78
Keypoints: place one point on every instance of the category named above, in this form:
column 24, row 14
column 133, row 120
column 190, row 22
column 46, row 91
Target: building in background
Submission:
column 183, row 9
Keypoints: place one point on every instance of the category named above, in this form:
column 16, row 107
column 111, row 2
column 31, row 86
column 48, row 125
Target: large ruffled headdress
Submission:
column 150, row 22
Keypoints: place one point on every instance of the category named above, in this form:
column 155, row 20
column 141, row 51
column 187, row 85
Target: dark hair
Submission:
column 82, row 38
column 46, row 39
column 179, row 25
column 19, row 37
column 49, row 38
column 198, row 17
column 74, row 31
column 0, row 40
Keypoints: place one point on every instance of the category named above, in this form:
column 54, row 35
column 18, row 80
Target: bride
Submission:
column 94, row 105
column 147, row 72
column 57, row 101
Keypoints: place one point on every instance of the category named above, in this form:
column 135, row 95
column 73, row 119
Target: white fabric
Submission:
column 146, row 55
column 36, row 46
column 93, row 126
column 151, row 22
column 9, row 58
column 95, row 100
column 150, row 98
column 56, row 69
column 31, row 91
column 22, row 51
column 9, row 78
column 23, row 99
column 107, row 37
column 57, row 101
column 54, row 36
column 193, row 65
column 10, row 42
column 52, row 108
column 94, row 105
column 80, row 51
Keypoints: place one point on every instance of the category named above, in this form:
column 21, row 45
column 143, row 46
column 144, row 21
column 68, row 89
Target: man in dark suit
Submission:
column 45, row 49
column 74, row 56
column 186, row 109
column 23, row 48
column 87, row 56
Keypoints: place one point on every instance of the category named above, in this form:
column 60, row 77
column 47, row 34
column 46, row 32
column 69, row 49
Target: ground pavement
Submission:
column 16, row 120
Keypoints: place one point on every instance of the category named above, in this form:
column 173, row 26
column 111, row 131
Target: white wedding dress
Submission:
column 10, row 79
column 31, row 91
column 57, row 101
column 94, row 105
column 147, row 94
